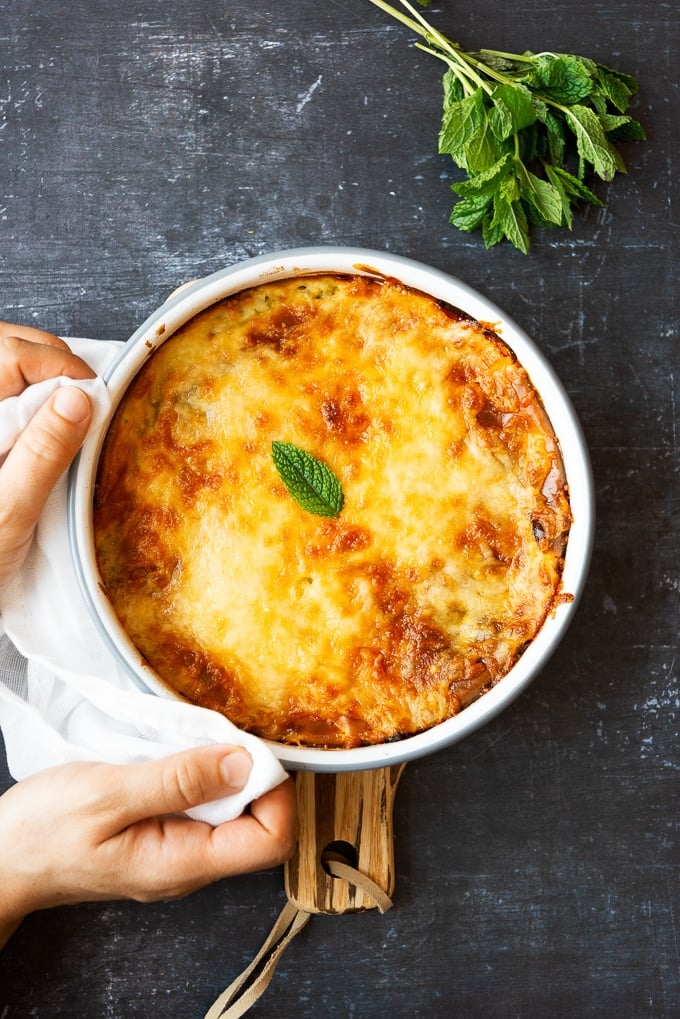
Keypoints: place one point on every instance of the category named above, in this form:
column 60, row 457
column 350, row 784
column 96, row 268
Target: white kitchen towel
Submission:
column 63, row 695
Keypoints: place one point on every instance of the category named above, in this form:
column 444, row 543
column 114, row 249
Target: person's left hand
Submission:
column 49, row 442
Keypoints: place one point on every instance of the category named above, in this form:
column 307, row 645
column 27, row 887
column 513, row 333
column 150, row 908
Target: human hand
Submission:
column 84, row 832
column 48, row 443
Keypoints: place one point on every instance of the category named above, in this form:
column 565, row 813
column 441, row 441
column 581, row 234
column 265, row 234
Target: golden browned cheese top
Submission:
column 380, row 622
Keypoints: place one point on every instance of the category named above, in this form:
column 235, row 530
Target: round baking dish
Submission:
column 197, row 296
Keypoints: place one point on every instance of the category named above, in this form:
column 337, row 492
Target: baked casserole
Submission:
column 350, row 629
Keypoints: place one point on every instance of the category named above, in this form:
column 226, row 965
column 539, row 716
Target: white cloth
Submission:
column 63, row 696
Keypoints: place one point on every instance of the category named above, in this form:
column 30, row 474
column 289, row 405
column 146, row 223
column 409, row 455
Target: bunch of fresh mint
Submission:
column 515, row 122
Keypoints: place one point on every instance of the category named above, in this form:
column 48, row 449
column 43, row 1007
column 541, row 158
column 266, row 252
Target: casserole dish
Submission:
column 199, row 296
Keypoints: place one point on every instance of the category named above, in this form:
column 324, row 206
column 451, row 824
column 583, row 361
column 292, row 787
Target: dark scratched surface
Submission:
column 537, row 861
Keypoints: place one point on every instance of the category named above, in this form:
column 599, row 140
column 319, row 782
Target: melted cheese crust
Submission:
column 382, row 622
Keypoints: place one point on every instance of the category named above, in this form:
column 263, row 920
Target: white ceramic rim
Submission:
column 197, row 296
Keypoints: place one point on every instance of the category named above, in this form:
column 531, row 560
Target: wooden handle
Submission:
column 345, row 816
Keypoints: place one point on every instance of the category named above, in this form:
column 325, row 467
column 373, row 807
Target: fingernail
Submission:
column 71, row 404
column 236, row 768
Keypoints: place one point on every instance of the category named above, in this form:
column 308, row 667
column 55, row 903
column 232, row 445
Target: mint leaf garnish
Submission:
column 310, row 481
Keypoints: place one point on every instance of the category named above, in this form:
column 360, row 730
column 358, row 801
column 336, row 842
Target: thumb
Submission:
column 40, row 455
column 178, row 782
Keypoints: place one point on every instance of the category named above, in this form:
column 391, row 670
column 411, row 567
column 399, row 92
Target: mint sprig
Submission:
column 526, row 128
column 309, row 480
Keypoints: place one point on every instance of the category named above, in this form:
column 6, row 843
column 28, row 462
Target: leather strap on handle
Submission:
column 240, row 996
column 339, row 868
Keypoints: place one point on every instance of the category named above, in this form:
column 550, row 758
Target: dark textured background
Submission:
column 537, row 861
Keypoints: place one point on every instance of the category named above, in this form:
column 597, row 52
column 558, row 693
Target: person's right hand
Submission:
column 48, row 443
column 90, row 831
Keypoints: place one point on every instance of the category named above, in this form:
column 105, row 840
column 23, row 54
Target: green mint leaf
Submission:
column 631, row 131
column 570, row 185
column 621, row 127
column 563, row 78
column 512, row 111
column 613, row 122
column 461, row 121
column 555, row 138
column 452, row 88
column 469, row 213
column 626, row 79
column 591, row 142
column 616, row 87
column 541, row 194
column 509, row 189
column 483, row 150
column 488, row 181
column 492, row 233
column 565, row 195
column 510, row 217
column 534, row 218
column 310, row 481
column 599, row 102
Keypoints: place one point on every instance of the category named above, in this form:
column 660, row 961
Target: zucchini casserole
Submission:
column 346, row 629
